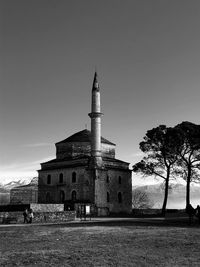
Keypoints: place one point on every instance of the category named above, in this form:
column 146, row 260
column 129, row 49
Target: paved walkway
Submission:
column 110, row 221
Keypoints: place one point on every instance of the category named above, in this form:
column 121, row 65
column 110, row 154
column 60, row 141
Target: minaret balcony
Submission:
column 95, row 114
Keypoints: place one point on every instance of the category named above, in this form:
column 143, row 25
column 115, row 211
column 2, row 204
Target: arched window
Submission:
column 48, row 197
column 61, row 178
column 108, row 197
column 120, row 179
column 107, row 179
column 73, row 195
column 73, row 177
column 48, row 179
column 119, row 197
column 62, row 196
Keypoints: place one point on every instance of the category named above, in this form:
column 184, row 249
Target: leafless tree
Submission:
column 141, row 200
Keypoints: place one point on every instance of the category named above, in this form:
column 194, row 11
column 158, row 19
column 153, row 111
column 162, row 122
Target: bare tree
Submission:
column 141, row 200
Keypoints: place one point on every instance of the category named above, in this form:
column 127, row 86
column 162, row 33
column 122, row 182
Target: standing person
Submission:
column 30, row 216
column 197, row 214
column 191, row 212
column 25, row 214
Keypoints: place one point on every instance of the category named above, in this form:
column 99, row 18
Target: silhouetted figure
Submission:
column 30, row 215
column 25, row 214
column 191, row 212
column 197, row 213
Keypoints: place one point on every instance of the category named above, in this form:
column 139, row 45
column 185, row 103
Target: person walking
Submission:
column 30, row 216
column 197, row 214
column 191, row 212
column 25, row 214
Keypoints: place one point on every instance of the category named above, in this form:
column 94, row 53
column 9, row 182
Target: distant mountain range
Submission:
column 5, row 188
column 176, row 197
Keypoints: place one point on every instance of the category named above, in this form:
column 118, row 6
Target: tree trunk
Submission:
column 188, row 187
column 166, row 193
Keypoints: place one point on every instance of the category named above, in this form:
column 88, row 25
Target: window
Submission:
column 73, row 195
column 120, row 179
column 107, row 179
column 61, row 178
column 62, row 196
column 73, row 177
column 49, row 179
column 119, row 197
column 108, row 197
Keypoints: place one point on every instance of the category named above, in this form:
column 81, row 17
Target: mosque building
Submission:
column 85, row 170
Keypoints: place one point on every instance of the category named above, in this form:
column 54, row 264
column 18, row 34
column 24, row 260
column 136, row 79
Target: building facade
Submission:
column 85, row 170
column 25, row 194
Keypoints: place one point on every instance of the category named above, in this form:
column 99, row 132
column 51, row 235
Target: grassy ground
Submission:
column 101, row 244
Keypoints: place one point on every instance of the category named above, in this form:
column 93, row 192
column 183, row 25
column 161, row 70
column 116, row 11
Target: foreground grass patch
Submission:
column 124, row 245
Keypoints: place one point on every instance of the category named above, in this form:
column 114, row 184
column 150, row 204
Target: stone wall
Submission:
column 74, row 149
column 39, row 217
column 46, row 207
column 24, row 195
column 107, row 150
column 125, row 188
column 83, row 185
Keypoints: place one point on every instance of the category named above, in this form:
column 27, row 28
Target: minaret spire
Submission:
column 95, row 116
column 95, row 85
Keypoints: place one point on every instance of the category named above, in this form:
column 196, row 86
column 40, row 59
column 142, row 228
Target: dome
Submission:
column 83, row 136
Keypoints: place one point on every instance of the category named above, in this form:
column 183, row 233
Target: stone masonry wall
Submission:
column 47, row 207
column 39, row 217
column 24, row 195
column 125, row 188
column 82, row 186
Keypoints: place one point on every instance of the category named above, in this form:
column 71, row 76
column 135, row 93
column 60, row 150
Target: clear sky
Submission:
column 147, row 55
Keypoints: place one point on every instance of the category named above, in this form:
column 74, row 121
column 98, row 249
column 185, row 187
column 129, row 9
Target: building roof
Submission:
column 82, row 161
column 65, row 163
column 81, row 157
column 83, row 136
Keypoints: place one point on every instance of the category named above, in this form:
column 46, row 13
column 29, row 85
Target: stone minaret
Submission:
column 95, row 116
column 97, row 168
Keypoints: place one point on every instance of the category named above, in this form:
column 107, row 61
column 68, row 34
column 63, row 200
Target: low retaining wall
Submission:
column 141, row 212
column 36, row 207
column 157, row 212
column 12, row 207
column 39, row 217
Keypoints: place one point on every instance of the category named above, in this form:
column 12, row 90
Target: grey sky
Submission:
column 147, row 55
